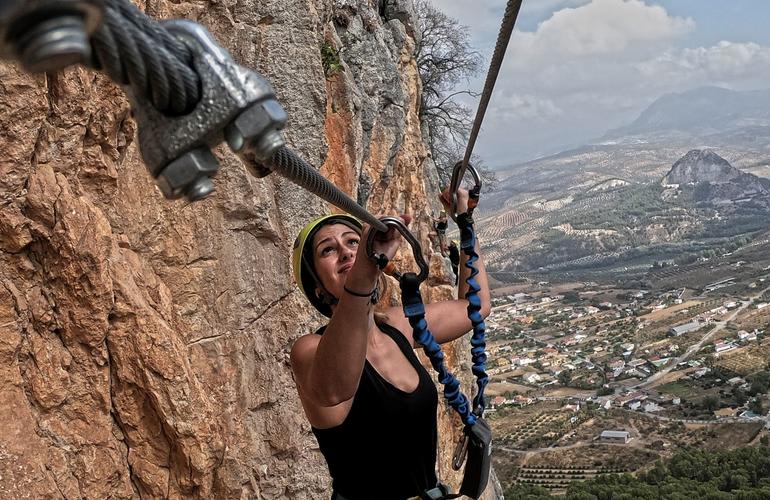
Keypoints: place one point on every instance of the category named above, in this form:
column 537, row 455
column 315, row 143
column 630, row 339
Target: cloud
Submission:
column 526, row 107
column 601, row 27
column 578, row 68
column 551, row 5
column 727, row 62
column 590, row 58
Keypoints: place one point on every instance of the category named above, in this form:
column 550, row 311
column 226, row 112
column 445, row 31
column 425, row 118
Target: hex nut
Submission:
column 258, row 119
column 185, row 171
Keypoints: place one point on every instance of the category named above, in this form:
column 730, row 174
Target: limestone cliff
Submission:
column 144, row 344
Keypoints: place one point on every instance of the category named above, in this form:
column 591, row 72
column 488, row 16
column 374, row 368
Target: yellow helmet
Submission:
column 302, row 260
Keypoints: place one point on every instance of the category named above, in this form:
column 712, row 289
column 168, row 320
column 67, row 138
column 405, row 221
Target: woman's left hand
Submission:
column 462, row 200
column 385, row 243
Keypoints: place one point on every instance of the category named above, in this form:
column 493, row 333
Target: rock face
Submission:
column 144, row 344
column 701, row 166
column 715, row 180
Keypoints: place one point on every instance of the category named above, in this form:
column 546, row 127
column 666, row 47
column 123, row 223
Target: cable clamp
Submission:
column 236, row 104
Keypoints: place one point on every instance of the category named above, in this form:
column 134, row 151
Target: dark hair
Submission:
column 308, row 256
column 310, row 279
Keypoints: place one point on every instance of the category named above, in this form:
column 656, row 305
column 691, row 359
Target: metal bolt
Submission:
column 202, row 188
column 54, row 43
column 269, row 143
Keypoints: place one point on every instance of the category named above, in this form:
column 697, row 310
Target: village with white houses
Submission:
column 547, row 344
column 581, row 364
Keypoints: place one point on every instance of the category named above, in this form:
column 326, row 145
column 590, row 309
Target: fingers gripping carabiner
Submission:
column 473, row 194
column 382, row 260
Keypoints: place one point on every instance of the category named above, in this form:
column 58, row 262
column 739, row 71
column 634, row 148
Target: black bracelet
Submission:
column 356, row 294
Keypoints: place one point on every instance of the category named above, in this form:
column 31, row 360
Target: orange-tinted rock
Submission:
column 144, row 343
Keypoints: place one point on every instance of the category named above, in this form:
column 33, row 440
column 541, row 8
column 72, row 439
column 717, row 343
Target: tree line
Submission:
column 741, row 474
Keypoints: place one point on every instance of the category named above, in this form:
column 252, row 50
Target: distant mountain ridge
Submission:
column 735, row 123
column 653, row 191
column 701, row 110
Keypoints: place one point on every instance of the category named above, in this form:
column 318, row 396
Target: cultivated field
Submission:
column 746, row 360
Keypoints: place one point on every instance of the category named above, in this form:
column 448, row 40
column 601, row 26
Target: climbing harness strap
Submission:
column 476, row 445
column 414, row 309
column 478, row 339
column 477, row 442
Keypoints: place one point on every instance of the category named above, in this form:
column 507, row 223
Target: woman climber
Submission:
column 440, row 226
column 371, row 404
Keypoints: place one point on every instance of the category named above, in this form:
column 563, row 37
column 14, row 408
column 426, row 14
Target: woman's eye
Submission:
column 353, row 242
column 327, row 250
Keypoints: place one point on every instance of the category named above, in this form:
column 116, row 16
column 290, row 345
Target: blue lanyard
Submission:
column 414, row 309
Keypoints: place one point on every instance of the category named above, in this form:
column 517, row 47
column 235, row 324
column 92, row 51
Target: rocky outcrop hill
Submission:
column 714, row 179
column 144, row 344
column 702, row 166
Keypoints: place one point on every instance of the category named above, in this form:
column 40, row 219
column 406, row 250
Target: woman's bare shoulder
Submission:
column 304, row 348
column 395, row 317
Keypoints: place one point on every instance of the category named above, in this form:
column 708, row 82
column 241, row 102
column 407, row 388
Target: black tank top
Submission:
column 386, row 447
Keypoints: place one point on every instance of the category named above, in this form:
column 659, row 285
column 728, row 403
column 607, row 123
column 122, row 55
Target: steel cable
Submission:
column 506, row 29
column 288, row 164
column 181, row 72
column 132, row 49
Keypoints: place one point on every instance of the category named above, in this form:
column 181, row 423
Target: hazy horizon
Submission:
column 576, row 69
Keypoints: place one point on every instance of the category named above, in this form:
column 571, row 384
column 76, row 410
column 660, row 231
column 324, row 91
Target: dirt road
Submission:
column 718, row 326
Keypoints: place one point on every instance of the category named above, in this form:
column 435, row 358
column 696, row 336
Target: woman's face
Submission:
column 334, row 252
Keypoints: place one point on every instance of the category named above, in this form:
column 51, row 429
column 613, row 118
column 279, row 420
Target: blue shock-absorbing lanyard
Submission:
column 414, row 309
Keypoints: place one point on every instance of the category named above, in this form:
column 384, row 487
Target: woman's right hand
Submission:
column 386, row 243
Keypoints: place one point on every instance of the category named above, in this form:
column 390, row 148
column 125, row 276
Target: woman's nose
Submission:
column 347, row 253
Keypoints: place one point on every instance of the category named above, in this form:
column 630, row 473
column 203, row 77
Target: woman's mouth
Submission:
column 345, row 268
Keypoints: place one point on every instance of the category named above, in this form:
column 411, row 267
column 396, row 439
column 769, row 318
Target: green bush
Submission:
column 330, row 58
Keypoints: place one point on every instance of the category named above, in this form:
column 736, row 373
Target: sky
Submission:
column 576, row 69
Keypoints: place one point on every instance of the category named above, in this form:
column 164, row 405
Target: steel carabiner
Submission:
column 473, row 193
column 383, row 262
column 461, row 451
